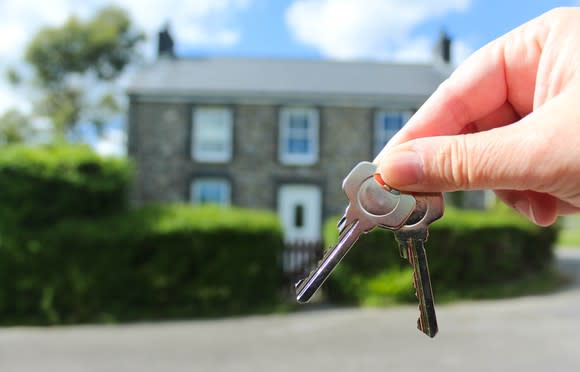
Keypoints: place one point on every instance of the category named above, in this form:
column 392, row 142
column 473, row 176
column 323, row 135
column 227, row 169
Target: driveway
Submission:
column 539, row 333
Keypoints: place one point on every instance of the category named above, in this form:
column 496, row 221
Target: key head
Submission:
column 373, row 204
column 429, row 208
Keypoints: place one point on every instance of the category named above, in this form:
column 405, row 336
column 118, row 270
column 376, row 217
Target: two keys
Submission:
column 373, row 204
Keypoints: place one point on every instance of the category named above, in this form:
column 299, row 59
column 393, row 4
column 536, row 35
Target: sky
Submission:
column 381, row 30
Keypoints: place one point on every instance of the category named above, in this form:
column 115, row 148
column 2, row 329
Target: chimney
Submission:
column 165, row 43
column 442, row 50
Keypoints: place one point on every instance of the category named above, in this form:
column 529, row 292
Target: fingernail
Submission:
column 403, row 168
column 532, row 214
column 525, row 208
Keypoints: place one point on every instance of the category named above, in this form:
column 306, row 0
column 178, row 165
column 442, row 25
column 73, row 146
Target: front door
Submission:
column 299, row 208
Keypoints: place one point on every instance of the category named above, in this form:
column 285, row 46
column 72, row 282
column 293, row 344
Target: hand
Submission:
column 507, row 119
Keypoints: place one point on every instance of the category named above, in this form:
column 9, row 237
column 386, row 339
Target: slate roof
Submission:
column 286, row 79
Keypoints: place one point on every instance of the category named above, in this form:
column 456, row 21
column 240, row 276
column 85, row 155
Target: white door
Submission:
column 299, row 208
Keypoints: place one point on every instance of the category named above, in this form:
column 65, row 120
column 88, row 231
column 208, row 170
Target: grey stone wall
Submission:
column 346, row 139
column 254, row 159
column 160, row 145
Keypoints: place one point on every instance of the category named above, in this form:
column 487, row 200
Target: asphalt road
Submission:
column 538, row 333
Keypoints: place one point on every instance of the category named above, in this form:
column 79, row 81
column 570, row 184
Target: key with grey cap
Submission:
column 370, row 204
column 412, row 237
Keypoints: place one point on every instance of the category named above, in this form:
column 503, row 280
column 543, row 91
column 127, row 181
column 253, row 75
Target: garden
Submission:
column 73, row 250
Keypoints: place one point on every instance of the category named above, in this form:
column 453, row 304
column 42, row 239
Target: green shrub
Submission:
column 44, row 184
column 158, row 262
column 467, row 250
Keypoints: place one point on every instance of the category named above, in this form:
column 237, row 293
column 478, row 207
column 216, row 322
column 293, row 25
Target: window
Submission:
column 212, row 134
column 387, row 124
column 298, row 136
column 211, row 190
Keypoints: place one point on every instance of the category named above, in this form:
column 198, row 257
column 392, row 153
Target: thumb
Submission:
column 509, row 157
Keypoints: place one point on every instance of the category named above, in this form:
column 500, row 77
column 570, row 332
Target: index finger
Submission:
column 493, row 87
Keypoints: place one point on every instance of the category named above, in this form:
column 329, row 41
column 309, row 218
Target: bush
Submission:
column 44, row 184
column 158, row 262
column 467, row 251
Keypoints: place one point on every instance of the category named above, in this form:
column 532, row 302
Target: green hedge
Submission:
column 41, row 185
column 467, row 251
column 158, row 262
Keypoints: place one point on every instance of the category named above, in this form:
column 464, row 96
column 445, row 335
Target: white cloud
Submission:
column 460, row 50
column 347, row 29
column 199, row 22
column 418, row 49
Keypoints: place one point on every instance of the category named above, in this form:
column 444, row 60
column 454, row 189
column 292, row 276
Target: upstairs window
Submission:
column 211, row 190
column 387, row 124
column 298, row 143
column 212, row 134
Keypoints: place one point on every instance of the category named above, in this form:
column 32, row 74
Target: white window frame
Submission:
column 202, row 133
column 224, row 185
column 310, row 133
column 381, row 134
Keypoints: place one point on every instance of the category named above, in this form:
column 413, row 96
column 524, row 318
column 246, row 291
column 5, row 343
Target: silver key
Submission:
column 370, row 205
column 412, row 237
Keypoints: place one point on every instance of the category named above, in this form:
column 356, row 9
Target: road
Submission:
column 536, row 333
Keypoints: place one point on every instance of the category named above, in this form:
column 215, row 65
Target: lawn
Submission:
column 569, row 236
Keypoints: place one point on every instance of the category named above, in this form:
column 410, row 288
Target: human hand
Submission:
column 507, row 119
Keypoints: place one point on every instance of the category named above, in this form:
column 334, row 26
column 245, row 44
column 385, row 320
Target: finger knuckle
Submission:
column 454, row 163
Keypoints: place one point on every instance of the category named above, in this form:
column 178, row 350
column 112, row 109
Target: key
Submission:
column 370, row 205
column 411, row 238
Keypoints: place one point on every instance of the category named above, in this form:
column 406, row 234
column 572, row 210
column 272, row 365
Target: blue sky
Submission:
column 385, row 30
column 264, row 30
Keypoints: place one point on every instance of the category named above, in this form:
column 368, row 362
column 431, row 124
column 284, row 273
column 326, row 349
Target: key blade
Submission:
column 306, row 287
column 427, row 322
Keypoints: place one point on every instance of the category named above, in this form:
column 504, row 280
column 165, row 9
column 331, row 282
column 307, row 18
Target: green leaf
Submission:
column 71, row 59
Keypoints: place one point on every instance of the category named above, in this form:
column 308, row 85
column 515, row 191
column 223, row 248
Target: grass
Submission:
column 395, row 287
column 569, row 235
column 533, row 284
column 569, row 238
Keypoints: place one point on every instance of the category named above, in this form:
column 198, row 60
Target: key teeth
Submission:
column 301, row 296
column 430, row 328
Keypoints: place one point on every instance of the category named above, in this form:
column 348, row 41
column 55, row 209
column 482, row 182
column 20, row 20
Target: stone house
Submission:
column 277, row 134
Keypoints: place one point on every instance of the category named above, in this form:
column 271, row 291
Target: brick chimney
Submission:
column 165, row 43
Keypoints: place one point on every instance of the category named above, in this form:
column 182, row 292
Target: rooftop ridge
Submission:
column 276, row 59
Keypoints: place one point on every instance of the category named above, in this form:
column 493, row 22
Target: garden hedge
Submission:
column 41, row 185
column 466, row 250
column 154, row 263
column 71, row 251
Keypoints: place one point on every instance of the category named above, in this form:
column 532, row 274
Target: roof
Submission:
column 270, row 79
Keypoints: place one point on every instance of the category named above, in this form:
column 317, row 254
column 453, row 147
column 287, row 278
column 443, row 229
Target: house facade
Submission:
column 272, row 134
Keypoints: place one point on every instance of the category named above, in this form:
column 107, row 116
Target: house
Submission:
column 278, row 134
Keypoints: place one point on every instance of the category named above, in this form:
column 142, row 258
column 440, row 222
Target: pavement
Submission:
column 535, row 333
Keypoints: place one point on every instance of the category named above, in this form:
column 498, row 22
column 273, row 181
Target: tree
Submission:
column 14, row 127
column 18, row 127
column 76, row 64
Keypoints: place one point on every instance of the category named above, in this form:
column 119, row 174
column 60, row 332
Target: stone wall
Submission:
column 346, row 139
column 160, row 145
